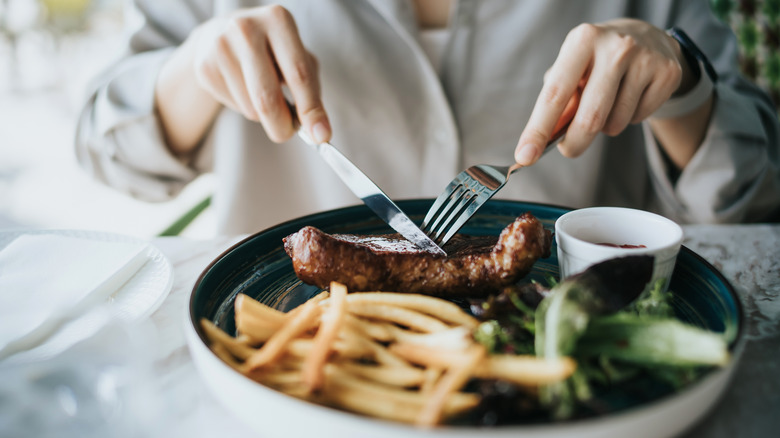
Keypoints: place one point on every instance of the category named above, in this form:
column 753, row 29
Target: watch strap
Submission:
column 681, row 105
column 692, row 52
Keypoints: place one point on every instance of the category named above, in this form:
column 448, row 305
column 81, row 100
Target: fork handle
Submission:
column 566, row 117
column 560, row 127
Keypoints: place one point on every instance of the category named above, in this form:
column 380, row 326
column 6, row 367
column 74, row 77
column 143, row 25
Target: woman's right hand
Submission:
column 242, row 61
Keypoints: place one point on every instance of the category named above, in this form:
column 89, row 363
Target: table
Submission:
column 179, row 405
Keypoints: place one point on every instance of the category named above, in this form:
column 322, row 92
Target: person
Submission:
column 414, row 91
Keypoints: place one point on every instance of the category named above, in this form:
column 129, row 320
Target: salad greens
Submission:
column 627, row 341
column 652, row 341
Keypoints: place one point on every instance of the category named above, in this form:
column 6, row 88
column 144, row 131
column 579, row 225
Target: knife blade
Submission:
column 371, row 195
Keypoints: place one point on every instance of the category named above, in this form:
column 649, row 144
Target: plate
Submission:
column 138, row 298
column 259, row 267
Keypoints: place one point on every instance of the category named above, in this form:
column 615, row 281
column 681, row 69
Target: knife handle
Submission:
column 297, row 125
column 296, row 122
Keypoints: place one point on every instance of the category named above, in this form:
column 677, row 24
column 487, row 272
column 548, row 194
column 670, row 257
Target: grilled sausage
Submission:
column 475, row 265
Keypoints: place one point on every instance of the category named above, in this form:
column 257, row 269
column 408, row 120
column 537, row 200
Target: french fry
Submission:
column 426, row 356
column 525, row 370
column 332, row 320
column 401, row 376
column 246, row 305
column 370, row 398
column 257, row 320
column 222, row 352
column 399, row 315
column 256, row 329
column 454, row 338
column 379, row 331
column 298, row 390
column 402, row 357
column 239, row 348
column 453, row 379
column 276, row 343
column 520, row 369
column 260, row 321
column 432, row 375
column 281, row 378
column 382, row 355
column 442, row 309
column 284, row 364
column 345, row 348
column 321, row 296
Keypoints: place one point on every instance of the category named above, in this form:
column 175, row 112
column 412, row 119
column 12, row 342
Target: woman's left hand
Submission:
column 626, row 70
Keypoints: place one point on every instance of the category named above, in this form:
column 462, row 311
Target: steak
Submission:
column 474, row 266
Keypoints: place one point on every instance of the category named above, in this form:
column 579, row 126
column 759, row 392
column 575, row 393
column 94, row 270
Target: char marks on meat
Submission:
column 474, row 266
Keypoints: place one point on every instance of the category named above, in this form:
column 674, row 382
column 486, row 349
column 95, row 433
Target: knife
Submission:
column 371, row 195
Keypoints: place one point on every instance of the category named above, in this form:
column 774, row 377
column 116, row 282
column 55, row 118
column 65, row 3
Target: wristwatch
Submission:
column 705, row 74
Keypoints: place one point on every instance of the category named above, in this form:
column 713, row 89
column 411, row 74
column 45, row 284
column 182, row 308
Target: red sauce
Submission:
column 625, row 246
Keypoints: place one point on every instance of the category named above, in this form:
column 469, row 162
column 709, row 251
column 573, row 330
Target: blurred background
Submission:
column 49, row 51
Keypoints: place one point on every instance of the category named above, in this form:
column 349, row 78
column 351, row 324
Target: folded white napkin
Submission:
column 47, row 280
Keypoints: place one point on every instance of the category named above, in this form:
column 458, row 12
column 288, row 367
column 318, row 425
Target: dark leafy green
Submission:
column 604, row 288
column 628, row 344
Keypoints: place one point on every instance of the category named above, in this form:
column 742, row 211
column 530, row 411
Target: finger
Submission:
column 660, row 89
column 299, row 72
column 207, row 71
column 560, row 85
column 261, row 79
column 598, row 98
column 209, row 77
column 230, row 69
column 631, row 90
column 562, row 125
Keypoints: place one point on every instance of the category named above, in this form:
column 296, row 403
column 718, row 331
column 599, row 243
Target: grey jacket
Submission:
column 412, row 130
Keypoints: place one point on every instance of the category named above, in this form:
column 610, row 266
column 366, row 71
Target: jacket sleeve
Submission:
column 118, row 137
column 735, row 174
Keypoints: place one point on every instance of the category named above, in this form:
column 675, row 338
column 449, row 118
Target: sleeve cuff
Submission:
column 685, row 104
column 709, row 189
column 124, row 112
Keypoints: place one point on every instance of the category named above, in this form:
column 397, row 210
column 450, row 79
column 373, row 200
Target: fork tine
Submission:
column 447, row 226
column 443, row 203
column 464, row 195
column 464, row 216
column 453, row 204
column 445, row 195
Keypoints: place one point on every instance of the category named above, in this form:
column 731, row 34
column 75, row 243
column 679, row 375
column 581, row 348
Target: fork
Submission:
column 470, row 189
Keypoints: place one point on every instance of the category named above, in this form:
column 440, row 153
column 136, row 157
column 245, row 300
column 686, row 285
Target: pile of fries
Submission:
column 397, row 356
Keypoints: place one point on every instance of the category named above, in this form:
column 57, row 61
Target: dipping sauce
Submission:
column 625, row 246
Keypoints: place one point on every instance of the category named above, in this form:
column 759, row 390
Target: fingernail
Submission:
column 526, row 154
column 320, row 132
